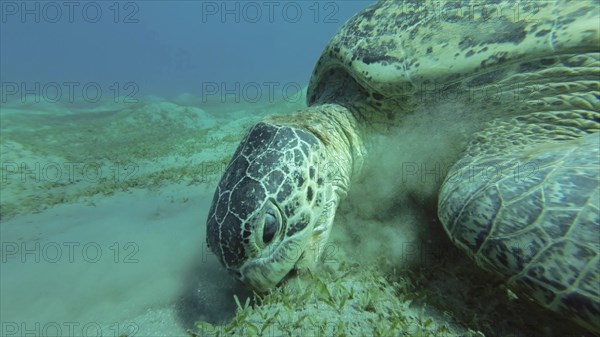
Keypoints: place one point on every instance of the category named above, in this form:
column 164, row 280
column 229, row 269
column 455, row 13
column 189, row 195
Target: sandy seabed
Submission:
column 102, row 230
column 103, row 218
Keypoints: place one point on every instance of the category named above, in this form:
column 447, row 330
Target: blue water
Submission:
column 167, row 47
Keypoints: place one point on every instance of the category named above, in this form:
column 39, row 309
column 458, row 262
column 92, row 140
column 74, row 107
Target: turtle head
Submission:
column 274, row 206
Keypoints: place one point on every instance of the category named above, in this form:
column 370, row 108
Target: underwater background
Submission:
column 117, row 120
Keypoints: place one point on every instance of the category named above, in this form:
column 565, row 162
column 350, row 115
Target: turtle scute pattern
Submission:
column 534, row 217
column 385, row 60
column 254, row 179
column 536, row 220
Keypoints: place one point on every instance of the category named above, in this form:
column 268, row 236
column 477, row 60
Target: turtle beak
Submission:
column 236, row 274
column 261, row 277
column 293, row 272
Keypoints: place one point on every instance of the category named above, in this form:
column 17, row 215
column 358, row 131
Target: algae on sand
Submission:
column 343, row 301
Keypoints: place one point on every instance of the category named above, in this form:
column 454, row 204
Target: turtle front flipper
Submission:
column 533, row 216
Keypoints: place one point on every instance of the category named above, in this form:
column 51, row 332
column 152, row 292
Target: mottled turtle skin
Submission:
column 522, row 198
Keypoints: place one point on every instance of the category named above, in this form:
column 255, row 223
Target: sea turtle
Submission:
column 522, row 198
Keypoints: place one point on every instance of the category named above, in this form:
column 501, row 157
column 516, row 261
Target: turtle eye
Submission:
column 270, row 227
